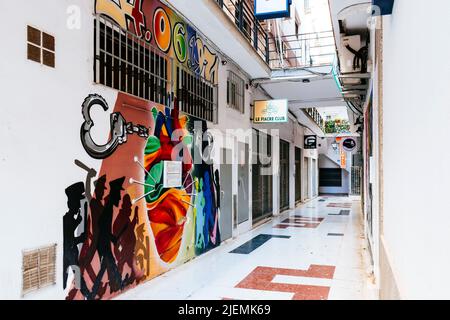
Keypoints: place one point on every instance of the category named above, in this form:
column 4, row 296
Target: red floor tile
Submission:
column 261, row 279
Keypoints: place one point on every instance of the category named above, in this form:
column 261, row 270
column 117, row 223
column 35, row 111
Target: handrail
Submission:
column 312, row 49
column 302, row 50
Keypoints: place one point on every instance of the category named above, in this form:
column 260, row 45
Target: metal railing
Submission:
column 315, row 116
column 356, row 180
column 302, row 50
column 280, row 52
column 125, row 62
column 242, row 14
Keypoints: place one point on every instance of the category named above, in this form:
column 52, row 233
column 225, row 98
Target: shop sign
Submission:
column 272, row 9
column 310, row 142
column 349, row 144
column 270, row 111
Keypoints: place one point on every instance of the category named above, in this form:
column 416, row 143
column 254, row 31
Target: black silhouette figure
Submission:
column 96, row 206
column 71, row 221
column 105, row 238
column 124, row 250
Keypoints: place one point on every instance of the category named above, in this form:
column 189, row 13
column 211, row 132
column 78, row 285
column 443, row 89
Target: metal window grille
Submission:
column 38, row 268
column 127, row 63
column 235, row 92
column 196, row 96
column 356, row 180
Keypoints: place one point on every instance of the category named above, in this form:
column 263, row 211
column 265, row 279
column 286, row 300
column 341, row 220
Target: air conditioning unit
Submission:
column 346, row 57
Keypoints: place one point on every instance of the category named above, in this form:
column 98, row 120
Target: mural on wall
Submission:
column 123, row 226
column 131, row 228
column 162, row 27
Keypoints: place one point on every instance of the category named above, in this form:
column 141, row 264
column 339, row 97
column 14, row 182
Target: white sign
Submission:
column 270, row 111
column 271, row 9
column 172, row 174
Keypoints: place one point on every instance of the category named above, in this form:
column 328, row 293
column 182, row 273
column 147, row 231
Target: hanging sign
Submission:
column 270, row 111
column 382, row 7
column 343, row 153
column 272, row 9
column 349, row 144
column 310, row 142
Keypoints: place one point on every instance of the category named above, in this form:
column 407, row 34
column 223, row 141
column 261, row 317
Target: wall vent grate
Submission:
column 38, row 268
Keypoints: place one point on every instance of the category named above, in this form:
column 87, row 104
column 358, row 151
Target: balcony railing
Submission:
column 315, row 116
column 280, row 52
column 302, row 50
column 241, row 13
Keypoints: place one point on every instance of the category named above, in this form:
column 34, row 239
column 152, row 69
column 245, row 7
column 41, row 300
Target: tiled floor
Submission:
column 312, row 252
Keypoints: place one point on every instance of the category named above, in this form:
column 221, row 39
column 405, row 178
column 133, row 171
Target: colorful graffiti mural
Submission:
column 131, row 228
column 160, row 26
column 123, row 225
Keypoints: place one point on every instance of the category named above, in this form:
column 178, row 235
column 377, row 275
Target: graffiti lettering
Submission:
column 125, row 13
column 203, row 61
column 170, row 33
column 162, row 29
column 179, row 42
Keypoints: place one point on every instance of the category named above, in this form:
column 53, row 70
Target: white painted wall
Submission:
column 41, row 118
column 416, row 165
column 41, row 115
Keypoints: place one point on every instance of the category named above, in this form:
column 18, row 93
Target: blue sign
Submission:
column 272, row 9
column 384, row 7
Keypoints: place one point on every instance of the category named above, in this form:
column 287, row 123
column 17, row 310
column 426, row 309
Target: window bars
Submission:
column 235, row 92
column 127, row 63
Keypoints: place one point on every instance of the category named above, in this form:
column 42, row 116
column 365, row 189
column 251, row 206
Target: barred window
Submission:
column 127, row 63
column 235, row 92
column 196, row 96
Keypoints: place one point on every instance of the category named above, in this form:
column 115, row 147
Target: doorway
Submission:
column 306, row 179
column 243, row 183
column 262, row 179
column 314, row 178
column 284, row 175
column 226, row 198
column 298, row 174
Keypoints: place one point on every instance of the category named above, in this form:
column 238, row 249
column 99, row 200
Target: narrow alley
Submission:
column 315, row 252
column 224, row 151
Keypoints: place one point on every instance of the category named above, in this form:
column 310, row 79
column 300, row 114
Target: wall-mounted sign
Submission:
column 310, row 142
column 342, row 153
column 272, row 9
column 349, row 144
column 270, row 111
column 172, row 174
column 382, row 7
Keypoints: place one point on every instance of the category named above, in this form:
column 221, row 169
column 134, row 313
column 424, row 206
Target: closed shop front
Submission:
column 284, row 175
column 298, row 174
column 262, row 180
